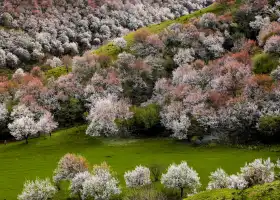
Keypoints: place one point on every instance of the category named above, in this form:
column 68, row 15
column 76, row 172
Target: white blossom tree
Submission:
column 120, row 42
column 258, row 172
column 46, row 124
column 68, row 166
column 259, row 22
column 104, row 112
column 101, row 185
column 237, row 182
column 182, row 177
column 184, row 56
column 37, row 190
column 218, row 179
column 76, row 185
column 140, row 176
column 23, row 128
column 174, row 117
column 3, row 112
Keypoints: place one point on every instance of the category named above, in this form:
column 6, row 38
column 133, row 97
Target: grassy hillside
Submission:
column 39, row 158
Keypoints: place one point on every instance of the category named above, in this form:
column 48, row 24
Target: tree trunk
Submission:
column 26, row 140
column 50, row 134
column 182, row 192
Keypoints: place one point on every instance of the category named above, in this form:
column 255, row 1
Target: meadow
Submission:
column 19, row 162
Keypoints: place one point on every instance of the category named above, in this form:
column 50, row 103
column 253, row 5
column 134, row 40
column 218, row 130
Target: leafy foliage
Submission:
column 264, row 63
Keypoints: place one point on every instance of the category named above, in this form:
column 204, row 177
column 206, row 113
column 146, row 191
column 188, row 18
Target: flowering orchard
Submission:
column 101, row 182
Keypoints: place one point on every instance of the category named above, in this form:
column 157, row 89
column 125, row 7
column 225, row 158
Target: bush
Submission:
column 269, row 125
column 38, row 189
column 56, row 72
column 143, row 120
column 222, row 194
column 71, row 112
column 156, row 171
column 264, row 63
column 144, row 194
column 268, row 191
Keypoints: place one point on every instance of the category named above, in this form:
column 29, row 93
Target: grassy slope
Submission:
column 39, row 158
column 112, row 50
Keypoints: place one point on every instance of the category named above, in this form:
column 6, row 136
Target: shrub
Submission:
column 258, row 172
column 272, row 45
column 141, row 35
column 275, row 74
column 156, row 171
column 264, row 63
column 37, row 190
column 76, row 185
column 218, row 180
column 221, row 194
column 102, row 185
column 56, row 72
column 68, row 166
column 144, row 118
column 144, row 194
column 268, row 191
column 243, row 17
column 269, row 125
column 71, row 112
column 181, row 177
column 208, row 20
column 138, row 177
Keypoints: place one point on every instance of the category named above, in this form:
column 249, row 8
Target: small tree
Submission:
column 3, row 112
column 67, row 62
column 23, row 128
column 68, row 166
column 140, row 176
column 46, row 124
column 37, row 190
column 218, row 180
column 258, row 172
column 76, row 185
column 182, row 177
column 101, row 185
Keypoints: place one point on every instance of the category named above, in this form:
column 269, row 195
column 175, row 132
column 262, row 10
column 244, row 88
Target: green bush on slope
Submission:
column 222, row 194
column 268, row 191
column 264, row 63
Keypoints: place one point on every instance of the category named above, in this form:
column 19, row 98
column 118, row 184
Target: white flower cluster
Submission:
column 218, row 180
column 140, row 176
column 208, row 20
column 100, row 186
column 181, row 176
column 258, row 172
column 120, row 42
column 174, row 117
column 3, row 112
column 104, row 112
column 76, row 185
column 275, row 74
column 259, row 22
column 184, row 56
column 38, row 189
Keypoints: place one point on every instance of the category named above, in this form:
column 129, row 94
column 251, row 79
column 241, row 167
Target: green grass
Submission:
column 39, row 158
column 57, row 72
